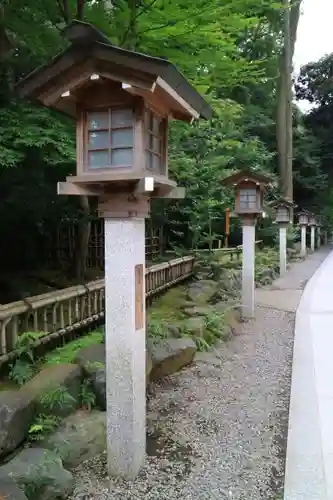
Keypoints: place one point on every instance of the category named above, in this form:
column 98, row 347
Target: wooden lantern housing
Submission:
column 283, row 210
column 312, row 220
column 249, row 188
column 122, row 101
column 303, row 218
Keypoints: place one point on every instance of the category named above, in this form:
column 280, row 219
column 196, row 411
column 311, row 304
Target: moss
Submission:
column 67, row 353
column 168, row 307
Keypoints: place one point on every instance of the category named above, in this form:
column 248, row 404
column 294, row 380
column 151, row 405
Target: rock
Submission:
column 199, row 310
column 170, row 355
column 51, row 377
column 98, row 382
column 196, row 326
column 230, row 281
column 174, row 330
column 91, row 359
column 16, row 415
column 39, row 473
column 10, row 491
column 80, row 437
column 149, row 365
column 202, row 291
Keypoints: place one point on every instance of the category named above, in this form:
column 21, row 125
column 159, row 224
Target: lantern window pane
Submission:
column 98, row 159
column 248, row 199
column 122, row 137
column 121, row 157
column 122, row 118
column 98, row 140
column 110, row 138
column 156, row 163
column 155, row 158
column 98, row 120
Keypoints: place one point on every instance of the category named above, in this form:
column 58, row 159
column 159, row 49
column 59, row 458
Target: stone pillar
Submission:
column 303, row 241
column 312, row 243
column 125, row 345
column 325, row 238
column 283, row 249
column 318, row 237
column 248, row 268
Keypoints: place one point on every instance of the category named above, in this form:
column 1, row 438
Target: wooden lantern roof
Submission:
column 91, row 53
column 283, row 202
column 247, row 176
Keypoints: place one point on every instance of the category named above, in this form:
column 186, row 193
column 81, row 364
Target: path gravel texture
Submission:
column 216, row 430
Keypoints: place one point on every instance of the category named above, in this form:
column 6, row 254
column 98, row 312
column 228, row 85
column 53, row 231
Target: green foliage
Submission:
column 67, row 353
column 87, row 396
column 24, row 367
column 43, row 425
column 21, row 371
column 57, row 399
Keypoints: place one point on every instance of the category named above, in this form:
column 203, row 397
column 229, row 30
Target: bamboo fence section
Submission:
column 56, row 313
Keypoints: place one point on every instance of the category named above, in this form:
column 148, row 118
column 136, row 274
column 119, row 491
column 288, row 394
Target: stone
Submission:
column 202, row 291
column 51, row 377
column 91, row 359
column 198, row 310
column 195, row 325
column 90, row 356
column 170, row 355
column 39, row 473
column 10, row 491
column 80, row 437
column 16, row 415
column 149, row 365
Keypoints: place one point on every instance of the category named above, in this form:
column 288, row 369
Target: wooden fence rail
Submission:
column 56, row 313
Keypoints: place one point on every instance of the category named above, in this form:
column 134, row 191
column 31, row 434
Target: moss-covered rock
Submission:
column 170, row 355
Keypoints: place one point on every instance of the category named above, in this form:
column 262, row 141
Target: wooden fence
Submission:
column 54, row 314
column 60, row 248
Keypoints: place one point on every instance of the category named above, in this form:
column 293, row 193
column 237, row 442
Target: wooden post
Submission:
column 283, row 249
column 125, row 345
column 227, row 226
column 248, row 268
column 312, row 241
column 303, row 240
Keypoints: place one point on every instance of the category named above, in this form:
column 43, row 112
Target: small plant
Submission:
column 201, row 344
column 157, row 328
column 43, row 425
column 24, row 367
column 21, row 371
column 87, row 396
column 57, row 399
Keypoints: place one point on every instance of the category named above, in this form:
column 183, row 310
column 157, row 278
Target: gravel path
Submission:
column 217, row 430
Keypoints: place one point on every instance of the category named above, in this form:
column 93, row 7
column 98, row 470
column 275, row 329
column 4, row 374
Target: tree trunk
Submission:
column 83, row 236
column 284, row 98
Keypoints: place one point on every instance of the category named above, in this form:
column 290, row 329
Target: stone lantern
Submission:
column 249, row 190
column 303, row 221
column 313, row 225
column 283, row 215
column 122, row 102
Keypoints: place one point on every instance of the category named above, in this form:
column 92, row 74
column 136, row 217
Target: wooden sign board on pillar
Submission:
column 139, row 298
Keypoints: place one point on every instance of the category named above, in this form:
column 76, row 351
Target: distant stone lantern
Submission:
column 303, row 221
column 249, row 188
column 313, row 225
column 122, row 102
column 283, row 215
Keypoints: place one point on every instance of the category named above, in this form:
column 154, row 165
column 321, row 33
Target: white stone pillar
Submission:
column 325, row 238
column 248, row 268
column 125, row 345
column 312, row 243
column 303, row 241
column 318, row 237
column 283, row 249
